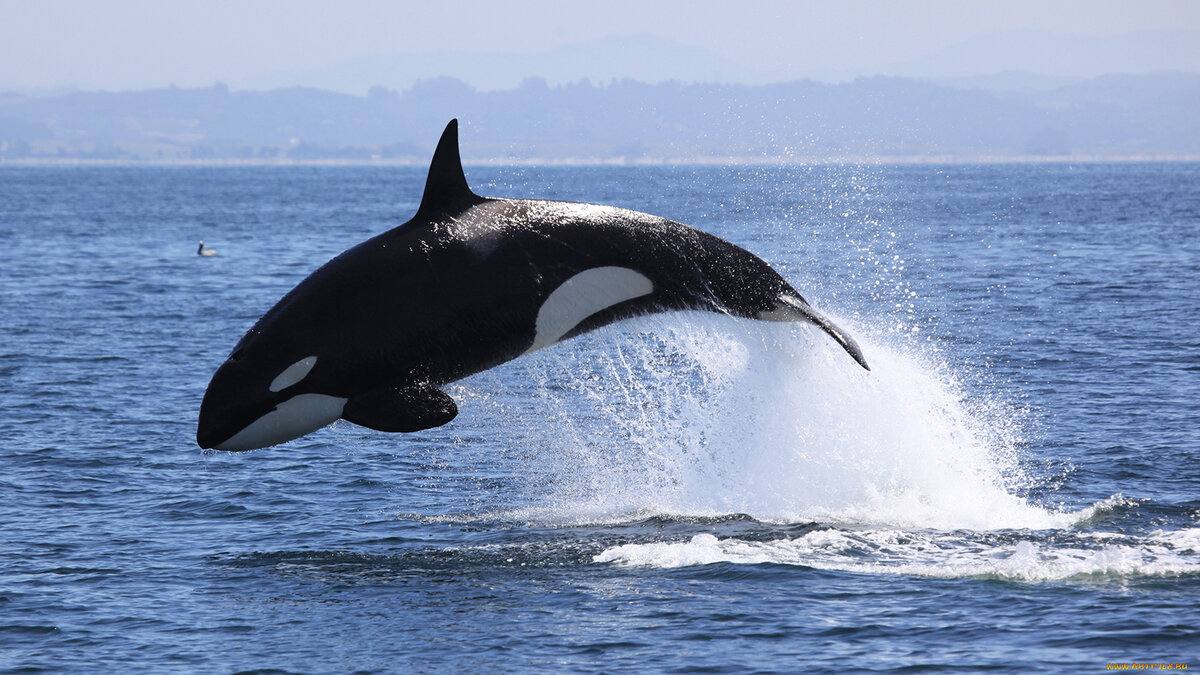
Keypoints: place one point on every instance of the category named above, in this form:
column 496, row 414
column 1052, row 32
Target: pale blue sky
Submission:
column 119, row 44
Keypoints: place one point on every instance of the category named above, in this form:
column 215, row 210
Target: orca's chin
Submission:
column 207, row 441
column 299, row 415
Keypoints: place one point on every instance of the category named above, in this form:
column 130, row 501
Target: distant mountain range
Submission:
column 645, row 58
column 653, row 59
column 1008, row 116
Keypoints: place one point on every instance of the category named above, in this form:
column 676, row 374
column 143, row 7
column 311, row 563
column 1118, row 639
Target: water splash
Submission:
column 703, row 415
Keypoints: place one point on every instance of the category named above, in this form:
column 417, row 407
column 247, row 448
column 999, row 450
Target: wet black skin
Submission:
column 457, row 289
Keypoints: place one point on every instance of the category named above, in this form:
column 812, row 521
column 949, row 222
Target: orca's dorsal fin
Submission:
column 446, row 189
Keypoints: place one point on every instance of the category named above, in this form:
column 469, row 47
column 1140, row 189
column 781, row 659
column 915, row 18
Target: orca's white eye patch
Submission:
column 293, row 374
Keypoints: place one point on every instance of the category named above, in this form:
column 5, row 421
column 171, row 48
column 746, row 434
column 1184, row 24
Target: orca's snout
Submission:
column 207, row 437
column 222, row 412
column 212, row 428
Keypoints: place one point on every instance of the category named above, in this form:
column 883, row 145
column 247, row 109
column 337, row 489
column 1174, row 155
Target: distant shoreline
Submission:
column 870, row 121
column 612, row 161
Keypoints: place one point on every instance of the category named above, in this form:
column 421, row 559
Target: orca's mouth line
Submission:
column 215, row 430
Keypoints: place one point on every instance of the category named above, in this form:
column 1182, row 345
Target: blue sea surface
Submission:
column 1014, row 486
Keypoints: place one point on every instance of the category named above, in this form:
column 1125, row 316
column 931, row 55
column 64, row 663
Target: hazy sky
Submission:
column 120, row 44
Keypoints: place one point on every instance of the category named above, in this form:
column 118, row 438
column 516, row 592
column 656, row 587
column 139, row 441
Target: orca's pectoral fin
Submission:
column 401, row 408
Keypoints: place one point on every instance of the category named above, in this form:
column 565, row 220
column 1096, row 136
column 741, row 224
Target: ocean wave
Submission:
column 931, row 554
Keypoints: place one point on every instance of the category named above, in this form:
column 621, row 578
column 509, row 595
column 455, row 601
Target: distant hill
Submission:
column 653, row 59
column 645, row 58
column 1116, row 116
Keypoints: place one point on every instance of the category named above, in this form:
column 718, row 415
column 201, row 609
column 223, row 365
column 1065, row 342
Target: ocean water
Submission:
column 1014, row 486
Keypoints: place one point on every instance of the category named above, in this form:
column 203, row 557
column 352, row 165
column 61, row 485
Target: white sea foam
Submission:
column 1180, row 540
column 926, row 554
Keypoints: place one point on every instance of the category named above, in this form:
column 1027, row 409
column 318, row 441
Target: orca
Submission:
column 465, row 285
